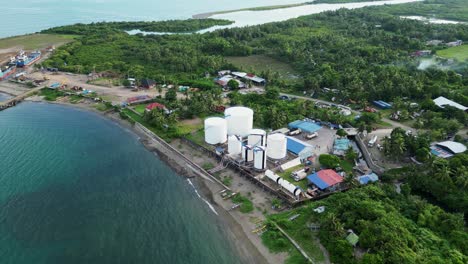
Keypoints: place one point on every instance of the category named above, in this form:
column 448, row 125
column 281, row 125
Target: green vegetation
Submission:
column 175, row 26
column 35, row 41
column 265, row 66
column 51, row 94
column 104, row 106
column 140, row 108
column 392, row 228
column 444, row 9
column 342, row 50
column 246, row 205
column 459, row 53
column 329, row 161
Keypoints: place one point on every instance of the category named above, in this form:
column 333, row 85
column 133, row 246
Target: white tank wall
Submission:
column 215, row 130
column 259, row 158
column 274, row 177
column 257, row 137
column 247, row 150
column 290, row 187
column 239, row 120
column 277, row 146
column 234, row 145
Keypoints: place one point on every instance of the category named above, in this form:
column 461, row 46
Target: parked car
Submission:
column 311, row 136
column 295, row 132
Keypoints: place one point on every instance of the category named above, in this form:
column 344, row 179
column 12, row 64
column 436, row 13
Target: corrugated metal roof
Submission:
column 295, row 146
column 455, row 147
column 325, row 178
column 305, row 126
column 442, row 101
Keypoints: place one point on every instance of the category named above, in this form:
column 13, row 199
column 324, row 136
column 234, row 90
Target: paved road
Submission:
column 391, row 122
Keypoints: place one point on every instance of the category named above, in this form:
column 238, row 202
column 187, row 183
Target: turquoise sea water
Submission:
column 28, row 16
column 77, row 188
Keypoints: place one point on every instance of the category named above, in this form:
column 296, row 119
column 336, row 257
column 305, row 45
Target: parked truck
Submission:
column 300, row 174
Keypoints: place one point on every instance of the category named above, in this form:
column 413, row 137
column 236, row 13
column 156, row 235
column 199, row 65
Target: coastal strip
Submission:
column 260, row 8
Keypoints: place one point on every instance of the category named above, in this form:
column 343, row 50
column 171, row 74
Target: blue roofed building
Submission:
column 305, row 126
column 295, row 146
column 365, row 179
column 340, row 146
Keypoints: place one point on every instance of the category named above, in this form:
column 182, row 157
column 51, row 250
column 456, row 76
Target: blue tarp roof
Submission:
column 295, row 146
column 365, row 179
column 305, row 126
column 315, row 179
column 341, row 144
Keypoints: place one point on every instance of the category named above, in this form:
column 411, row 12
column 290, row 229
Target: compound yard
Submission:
column 459, row 53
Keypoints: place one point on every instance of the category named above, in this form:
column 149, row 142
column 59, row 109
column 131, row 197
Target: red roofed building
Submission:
column 155, row 106
column 325, row 179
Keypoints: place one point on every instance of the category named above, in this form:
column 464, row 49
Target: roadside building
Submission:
column 365, row 179
column 305, row 126
column 454, row 43
column 153, row 106
column 442, row 102
column 223, row 81
column 434, row 42
column 447, row 149
column 340, row 145
column 148, row 83
column 255, row 79
column 325, row 179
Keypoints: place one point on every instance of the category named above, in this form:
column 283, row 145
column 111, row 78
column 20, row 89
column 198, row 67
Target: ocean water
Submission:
column 77, row 188
column 28, row 16
column 4, row 97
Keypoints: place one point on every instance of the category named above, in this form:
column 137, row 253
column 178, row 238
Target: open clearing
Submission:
column 34, row 41
column 259, row 63
column 459, row 53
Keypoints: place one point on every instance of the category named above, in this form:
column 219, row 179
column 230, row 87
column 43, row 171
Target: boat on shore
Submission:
column 8, row 69
column 25, row 60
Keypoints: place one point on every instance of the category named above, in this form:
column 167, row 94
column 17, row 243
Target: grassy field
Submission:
column 287, row 176
column 35, row 41
column 259, row 63
column 298, row 230
column 459, row 53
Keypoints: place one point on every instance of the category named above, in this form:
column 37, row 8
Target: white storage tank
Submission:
column 277, row 146
column 257, row 137
column 259, row 158
column 239, row 120
column 234, row 145
column 247, row 153
column 215, row 130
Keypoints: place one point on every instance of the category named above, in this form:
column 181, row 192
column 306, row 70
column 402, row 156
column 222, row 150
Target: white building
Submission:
column 442, row 101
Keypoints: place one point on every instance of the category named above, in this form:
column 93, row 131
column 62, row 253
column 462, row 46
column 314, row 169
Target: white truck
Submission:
column 311, row 136
column 295, row 132
column 372, row 142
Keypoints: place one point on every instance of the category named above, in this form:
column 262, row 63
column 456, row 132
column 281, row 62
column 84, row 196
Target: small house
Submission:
column 148, row 83
column 447, row 149
column 365, row 179
column 454, row 43
column 153, row 106
column 340, row 146
column 325, row 179
column 442, row 102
